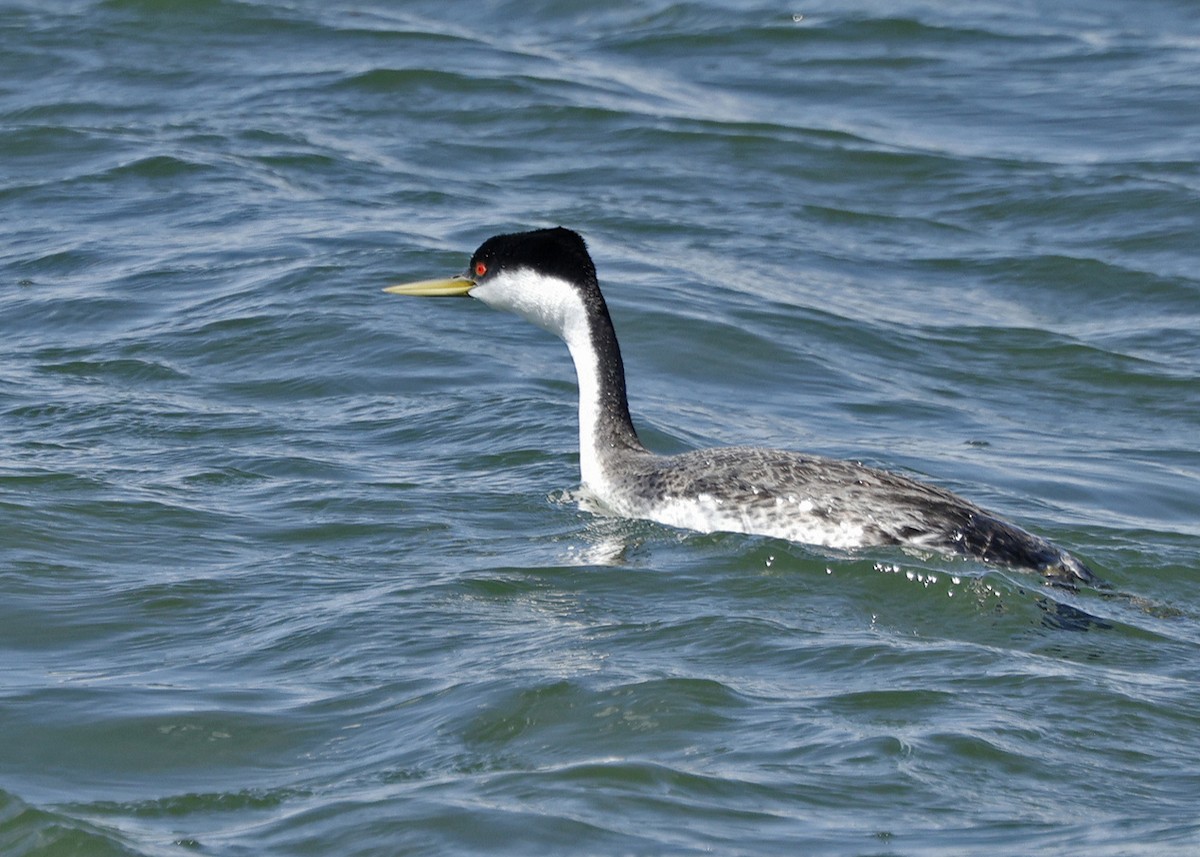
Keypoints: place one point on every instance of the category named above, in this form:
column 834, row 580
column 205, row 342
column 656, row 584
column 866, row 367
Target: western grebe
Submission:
column 547, row 277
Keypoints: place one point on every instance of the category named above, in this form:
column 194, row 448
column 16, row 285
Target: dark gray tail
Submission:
column 1065, row 569
column 993, row 540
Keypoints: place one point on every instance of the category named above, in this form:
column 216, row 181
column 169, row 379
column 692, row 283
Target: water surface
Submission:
column 289, row 566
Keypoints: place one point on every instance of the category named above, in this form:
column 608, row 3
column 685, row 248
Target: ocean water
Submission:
column 290, row 566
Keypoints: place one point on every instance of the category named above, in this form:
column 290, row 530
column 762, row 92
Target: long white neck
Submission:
column 581, row 319
column 595, row 432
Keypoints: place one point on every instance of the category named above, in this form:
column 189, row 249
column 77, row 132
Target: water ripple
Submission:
column 288, row 565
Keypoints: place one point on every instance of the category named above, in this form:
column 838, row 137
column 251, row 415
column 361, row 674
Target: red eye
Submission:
column 480, row 269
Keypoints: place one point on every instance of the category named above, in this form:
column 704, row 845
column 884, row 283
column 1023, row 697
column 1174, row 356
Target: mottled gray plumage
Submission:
column 547, row 277
column 793, row 496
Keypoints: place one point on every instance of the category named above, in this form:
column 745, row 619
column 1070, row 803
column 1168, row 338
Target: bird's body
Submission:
column 547, row 277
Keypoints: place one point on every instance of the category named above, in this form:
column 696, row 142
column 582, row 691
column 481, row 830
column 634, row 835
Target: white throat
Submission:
column 555, row 305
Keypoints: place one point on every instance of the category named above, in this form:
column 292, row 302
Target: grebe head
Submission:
column 545, row 276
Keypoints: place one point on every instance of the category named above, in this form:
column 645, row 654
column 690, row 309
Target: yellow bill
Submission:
column 434, row 288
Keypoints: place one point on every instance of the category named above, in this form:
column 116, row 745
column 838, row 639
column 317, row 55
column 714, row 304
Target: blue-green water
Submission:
column 288, row 566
